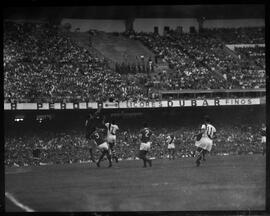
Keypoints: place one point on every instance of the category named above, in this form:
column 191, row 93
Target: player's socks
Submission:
column 150, row 162
column 92, row 158
column 198, row 162
column 203, row 155
column 144, row 162
column 98, row 163
column 114, row 155
column 109, row 159
column 110, row 163
column 100, row 158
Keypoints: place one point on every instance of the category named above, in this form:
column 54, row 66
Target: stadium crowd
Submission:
column 43, row 64
column 200, row 60
column 244, row 35
column 70, row 146
column 189, row 73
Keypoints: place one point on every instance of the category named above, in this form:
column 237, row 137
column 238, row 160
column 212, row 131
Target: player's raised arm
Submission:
column 203, row 128
column 103, row 120
column 103, row 126
column 97, row 113
column 140, row 134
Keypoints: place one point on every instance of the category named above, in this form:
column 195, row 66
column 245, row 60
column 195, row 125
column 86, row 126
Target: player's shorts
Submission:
column 103, row 146
column 142, row 154
column 263, row 139
column 111, row 145
column 171, row 146
column 145, row 146
column 111, row 138
column 205, row 143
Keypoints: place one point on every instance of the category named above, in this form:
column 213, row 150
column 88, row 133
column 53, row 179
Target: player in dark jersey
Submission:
column 99, row 136
column 91, row 123
column 145, row 135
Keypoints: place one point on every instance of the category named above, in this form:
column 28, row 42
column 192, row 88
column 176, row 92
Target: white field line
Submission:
column 17, row 203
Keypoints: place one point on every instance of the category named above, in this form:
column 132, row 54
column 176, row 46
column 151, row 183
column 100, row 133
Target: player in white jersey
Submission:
column 205, row 143
column 263, row 139
column 111, row 138
column 171, row 146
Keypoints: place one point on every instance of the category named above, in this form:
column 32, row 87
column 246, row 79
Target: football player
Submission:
column 204, row 140
column 99, row 136
column 145, row 135
column 91, row 123
column 263, row 140
column 171, row 146
column 111, row 138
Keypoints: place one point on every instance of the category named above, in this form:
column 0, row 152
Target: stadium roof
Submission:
column 145, row 11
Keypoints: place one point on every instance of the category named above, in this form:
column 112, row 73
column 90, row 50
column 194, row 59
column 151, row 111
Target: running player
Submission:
column 263, row 140
column 205, row 143
column 99, row 136
column 171, row 146
column 145, row 135
column 197, row 138
column 91, row 123
column 111, row 138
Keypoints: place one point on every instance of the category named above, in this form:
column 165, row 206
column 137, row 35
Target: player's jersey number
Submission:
column 113, row 130
column 147, row 133
column 96, row 135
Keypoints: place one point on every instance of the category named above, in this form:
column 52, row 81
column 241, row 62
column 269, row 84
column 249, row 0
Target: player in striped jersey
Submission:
column 171, row 146
column 145, row 135
column 205, row 143
column 111, row 138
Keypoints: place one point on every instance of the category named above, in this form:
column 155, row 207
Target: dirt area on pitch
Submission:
column 220, row 183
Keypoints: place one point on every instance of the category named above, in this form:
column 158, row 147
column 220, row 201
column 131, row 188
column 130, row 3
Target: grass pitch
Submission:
column 220, row 183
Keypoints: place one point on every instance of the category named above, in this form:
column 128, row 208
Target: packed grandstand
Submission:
column 44, row 63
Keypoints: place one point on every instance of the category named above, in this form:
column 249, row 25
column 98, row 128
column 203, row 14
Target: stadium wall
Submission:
column 147, row 25
column 84, row 25
column 170, row 117
column 233, row 23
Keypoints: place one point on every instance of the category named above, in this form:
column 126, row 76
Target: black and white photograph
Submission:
column 139, row 108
